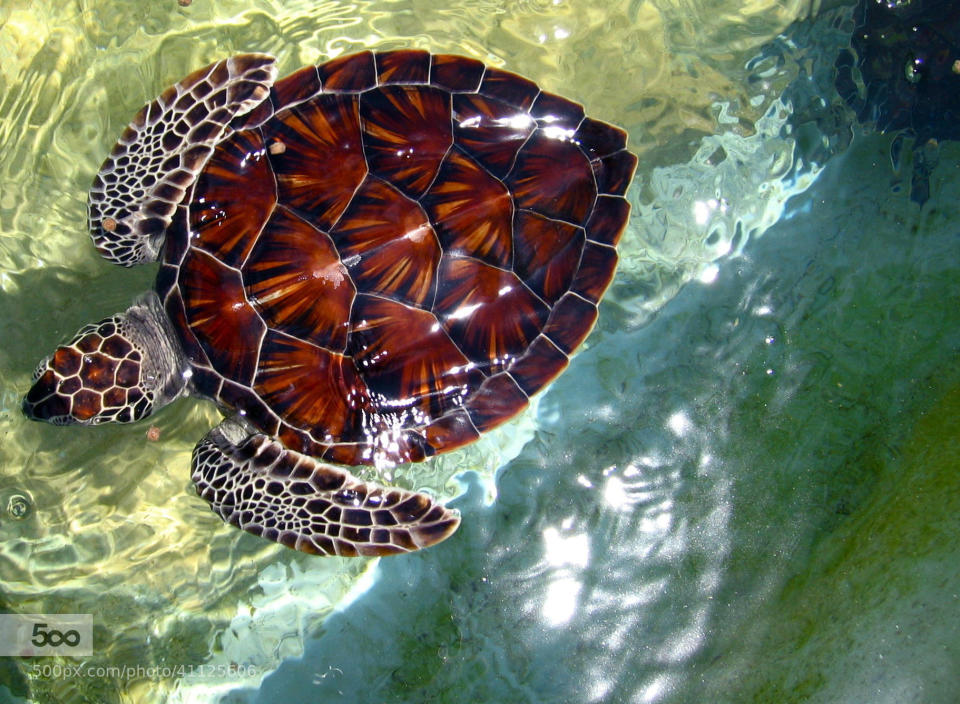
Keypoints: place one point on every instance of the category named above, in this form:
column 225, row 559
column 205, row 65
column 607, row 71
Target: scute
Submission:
column 392, row 254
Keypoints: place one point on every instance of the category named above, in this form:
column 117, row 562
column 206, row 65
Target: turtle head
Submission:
column 117, row 370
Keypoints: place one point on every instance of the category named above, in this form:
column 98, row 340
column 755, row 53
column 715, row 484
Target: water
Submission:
column 743, row 489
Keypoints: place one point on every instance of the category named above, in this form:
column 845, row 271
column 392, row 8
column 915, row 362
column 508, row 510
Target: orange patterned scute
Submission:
column 388, row 242
column 311, row 387
column 539, row 183
column 403, row 66
column 472, row 210
column 488, row 312
column 490, row 130
column 412, row 367
column 322, row 160
column 406, row 133
column 548, row 254
column 219, row 315
column 295, row 279
column 351, row 73
column 229, row 225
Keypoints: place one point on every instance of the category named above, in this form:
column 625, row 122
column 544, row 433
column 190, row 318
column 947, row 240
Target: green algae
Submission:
column 869, row 613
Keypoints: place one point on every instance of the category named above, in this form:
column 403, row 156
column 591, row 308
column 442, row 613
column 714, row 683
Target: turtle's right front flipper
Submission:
column 254, row 483
column 158, row 157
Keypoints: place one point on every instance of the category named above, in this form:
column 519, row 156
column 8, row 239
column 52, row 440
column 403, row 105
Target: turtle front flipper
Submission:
column 255, row 483
column 159, row 155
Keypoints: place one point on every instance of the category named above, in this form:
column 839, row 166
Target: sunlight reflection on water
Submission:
column 648, row 535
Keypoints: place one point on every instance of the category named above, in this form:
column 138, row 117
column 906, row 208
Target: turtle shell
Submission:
column 393, row 253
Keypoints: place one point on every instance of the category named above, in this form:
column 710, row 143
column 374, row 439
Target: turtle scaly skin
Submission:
column 370, row 261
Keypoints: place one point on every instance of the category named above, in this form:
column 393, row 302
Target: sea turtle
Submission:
column 370, row 261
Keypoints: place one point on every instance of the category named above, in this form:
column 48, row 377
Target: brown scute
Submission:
column 114, row 398
column 228, row 226
column 433, row 533
column 552, row 176
column 538, row 366
column 345, row 549
column 43, row 402
column 327, row 481
column 472, row 211
column 219, row 315
column 412, row 508
column 89, row 343
column 608, row 220
column 98, row 371
column 270, row 452
column 45, row 384
column 547, row 254
column 555, row 111
column 390, row 243
column 451, row 431
column 598, row 139
column 86, row 404
column 596, row 271
column 384, row 518
column 323, row 162
column 456, row 73
column 354, row 72
column 403, row 66
column 311, row 387
column 73, row 384
column 360, row 452
column 292, row 268
column 302, row 489
column 571, row 320
column 319, row 506
column 296, row 87
column 406, row 134
column 116, row 346
column 615, row 172
column 512, row 89
column 489, row 131
column 66, row 361
column 411, row 367
column 487, row 312
column 498, row 399
column 357, row 517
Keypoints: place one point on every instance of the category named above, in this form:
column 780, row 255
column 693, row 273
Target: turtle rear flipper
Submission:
column 256, row 484
column 159, row 155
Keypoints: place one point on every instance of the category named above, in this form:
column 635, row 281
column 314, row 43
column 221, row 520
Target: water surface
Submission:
column 743, row 489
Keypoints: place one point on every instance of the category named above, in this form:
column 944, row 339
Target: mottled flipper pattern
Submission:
column 159, row 155
column 254, row 483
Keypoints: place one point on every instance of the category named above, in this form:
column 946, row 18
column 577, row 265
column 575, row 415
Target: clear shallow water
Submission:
column 743, row 489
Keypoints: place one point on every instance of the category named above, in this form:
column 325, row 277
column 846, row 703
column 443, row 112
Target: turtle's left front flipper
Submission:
column 157, row 158
column 256, row 484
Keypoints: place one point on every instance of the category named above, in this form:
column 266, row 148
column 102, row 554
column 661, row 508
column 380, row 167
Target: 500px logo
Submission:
column 54, row 637
column 46, row 634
